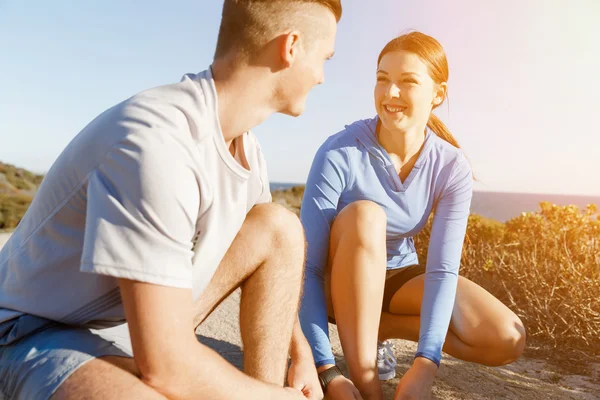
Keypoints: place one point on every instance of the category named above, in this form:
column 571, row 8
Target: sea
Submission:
column 503, row 206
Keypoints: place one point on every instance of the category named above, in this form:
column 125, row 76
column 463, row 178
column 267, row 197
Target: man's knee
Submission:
column 282, row 225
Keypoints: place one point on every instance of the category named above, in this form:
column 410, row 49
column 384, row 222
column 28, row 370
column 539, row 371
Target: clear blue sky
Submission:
column 524, row 84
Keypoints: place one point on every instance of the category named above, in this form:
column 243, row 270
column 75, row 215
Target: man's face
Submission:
column 307, row 70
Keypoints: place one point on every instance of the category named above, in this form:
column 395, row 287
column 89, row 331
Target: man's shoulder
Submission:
column 190, row 85
column 187, row 105
column 170, row 104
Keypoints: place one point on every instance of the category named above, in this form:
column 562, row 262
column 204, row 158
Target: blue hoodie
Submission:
column 350, row 166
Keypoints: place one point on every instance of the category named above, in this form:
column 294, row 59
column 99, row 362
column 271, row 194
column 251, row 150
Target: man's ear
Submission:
column 289, row 47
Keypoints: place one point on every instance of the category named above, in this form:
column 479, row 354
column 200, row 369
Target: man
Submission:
column 157, row 211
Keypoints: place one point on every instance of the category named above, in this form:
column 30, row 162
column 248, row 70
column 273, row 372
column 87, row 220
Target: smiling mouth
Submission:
column 394, row 109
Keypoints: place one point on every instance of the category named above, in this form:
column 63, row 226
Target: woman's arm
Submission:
column 328, row 177
column 445, row 248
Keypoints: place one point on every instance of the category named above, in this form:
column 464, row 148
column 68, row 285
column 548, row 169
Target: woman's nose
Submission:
column 393, row 90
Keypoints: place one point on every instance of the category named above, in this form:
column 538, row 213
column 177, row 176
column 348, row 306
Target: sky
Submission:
column 524, row 87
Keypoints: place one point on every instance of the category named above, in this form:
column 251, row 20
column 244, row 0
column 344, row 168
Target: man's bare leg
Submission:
column 266, row 259
column 106, row 378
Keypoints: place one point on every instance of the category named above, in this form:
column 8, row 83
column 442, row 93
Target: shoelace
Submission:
column 385, row 356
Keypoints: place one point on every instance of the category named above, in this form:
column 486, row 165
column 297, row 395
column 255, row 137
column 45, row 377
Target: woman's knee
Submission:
column 363, row 219
column 514, row 338
column 510, row 341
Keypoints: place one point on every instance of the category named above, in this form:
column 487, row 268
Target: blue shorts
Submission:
column 35, row 366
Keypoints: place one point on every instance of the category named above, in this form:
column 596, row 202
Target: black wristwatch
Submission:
column 328, row 375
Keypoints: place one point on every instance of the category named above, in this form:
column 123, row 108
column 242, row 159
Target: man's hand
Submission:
column 302, row 375
column 342, row 388
column 417, row 381
column 182, row 367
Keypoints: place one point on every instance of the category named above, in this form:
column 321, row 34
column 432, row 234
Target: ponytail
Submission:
column 438, row 127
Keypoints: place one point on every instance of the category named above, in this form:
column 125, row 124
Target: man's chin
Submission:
column 294, row 111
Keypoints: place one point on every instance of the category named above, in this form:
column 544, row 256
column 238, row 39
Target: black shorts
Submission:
column 395, row 282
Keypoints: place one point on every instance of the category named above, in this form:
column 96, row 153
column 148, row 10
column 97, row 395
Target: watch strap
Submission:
column 328, row 375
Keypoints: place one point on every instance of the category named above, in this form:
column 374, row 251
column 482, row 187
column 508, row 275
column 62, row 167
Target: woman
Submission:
column 371, row 188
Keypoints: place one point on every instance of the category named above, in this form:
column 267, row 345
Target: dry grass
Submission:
column 545, row 266
column 12, row 209
column 14, row 179
column 290, row 198
column 17, row 187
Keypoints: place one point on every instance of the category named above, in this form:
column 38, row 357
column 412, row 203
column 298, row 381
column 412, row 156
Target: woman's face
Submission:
column 405, row 93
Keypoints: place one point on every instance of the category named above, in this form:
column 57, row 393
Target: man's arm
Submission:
column 170, row 358
column 302, row 374
column 300, row 349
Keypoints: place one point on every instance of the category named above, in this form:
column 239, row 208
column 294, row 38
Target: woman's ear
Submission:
column 440, row 94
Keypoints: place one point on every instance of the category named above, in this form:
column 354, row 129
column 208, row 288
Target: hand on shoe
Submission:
column 303, row 376
column 417, row 381
column 342, row 388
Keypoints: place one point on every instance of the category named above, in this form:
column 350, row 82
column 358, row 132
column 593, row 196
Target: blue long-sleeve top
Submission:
column 350, row 166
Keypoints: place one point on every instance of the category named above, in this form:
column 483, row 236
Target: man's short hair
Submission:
column 247, row 25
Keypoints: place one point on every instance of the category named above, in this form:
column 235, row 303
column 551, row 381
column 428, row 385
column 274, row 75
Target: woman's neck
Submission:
column 402, row 144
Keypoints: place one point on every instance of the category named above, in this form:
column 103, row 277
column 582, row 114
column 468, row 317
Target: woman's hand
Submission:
column 417, row 381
